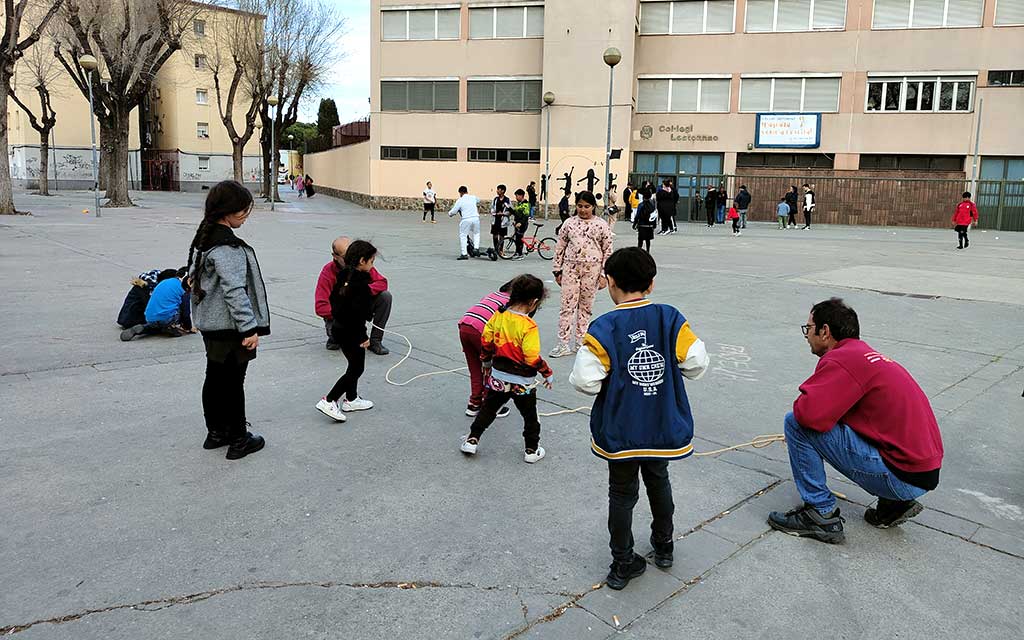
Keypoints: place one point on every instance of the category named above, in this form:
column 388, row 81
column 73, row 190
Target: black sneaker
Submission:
column 216, row 440
column 621, row 573
column 463, row 257
column 333, row 346
column 663, row 554
column 503, row 412
column 892, row 513
column 249, row 443
column 379, row 349
column 805, row 521
column 131, row 332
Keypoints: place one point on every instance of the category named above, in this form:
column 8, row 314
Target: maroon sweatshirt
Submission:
column 325, row 284
column 876, row 397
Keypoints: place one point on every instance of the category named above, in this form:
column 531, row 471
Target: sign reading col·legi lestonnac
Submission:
column 788, row 131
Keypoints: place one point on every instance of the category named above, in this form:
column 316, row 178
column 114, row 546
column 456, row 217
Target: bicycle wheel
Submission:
column 546, row 248
column 508, row 249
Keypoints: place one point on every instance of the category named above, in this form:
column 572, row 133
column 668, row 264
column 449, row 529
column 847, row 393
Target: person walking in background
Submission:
column 808, row 205
column 966, row 213
column 742, row 204
column 300, row 185
column 792, row 199
column 722, row 202
column 734, row 217
column 429, row 200
column 711, row 205
column 531, row 193
column 666, row 208
column 500, row 210
column 645, row 218
column 467, row 206
column 782, row 212
column 230, row 309
column 675, row 203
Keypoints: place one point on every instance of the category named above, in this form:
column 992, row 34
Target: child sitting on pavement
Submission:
column 634, row 359
column 168, row 310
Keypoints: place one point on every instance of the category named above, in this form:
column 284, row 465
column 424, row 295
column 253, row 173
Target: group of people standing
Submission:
column 508, row 218
column 790, row 203
column 303, row 184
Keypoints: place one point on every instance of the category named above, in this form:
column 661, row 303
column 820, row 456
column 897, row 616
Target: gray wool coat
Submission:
column 235, row 304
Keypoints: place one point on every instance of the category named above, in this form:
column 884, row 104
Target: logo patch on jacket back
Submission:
column 646, row 366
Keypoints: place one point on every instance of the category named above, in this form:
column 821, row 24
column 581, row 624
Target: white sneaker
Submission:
column 359, row 404
column 504, row 411
column 560, row 351
column 739, row 233
column 530, row 458
column 330, row 409
column 468, row 448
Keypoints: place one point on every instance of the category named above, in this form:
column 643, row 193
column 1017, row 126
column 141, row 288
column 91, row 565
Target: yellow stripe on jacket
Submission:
column 691, row 353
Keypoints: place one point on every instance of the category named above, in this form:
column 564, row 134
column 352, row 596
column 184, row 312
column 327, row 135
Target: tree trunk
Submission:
column 117, row 169
column 44, row 162
column 6, row 188
column 237, row 148
column 107, row 134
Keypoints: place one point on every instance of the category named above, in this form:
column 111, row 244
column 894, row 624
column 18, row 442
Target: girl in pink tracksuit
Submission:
column 584, row 243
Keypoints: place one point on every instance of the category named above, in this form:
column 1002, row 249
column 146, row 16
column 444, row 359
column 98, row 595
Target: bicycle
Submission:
column 545, row 247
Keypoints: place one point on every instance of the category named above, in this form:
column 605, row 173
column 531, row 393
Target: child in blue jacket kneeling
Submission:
column 634, row 359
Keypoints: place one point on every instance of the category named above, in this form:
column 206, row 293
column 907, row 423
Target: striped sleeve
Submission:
column 691, row 353
column 591, row 367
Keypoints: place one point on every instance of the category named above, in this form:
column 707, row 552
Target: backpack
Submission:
column 634, row 199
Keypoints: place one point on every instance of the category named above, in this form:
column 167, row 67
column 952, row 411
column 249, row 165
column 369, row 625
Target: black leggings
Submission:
column 347, row 384
column 735, row 225
column 497, row 241
column 643, row 241
column 527, row 405
column 519, row 244
column 807, row 218
column 711, row 217
column 224, row 396
column 961, row 235
column 792, row 217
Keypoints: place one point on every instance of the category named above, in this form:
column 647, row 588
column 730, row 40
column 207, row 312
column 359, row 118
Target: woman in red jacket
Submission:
column 966, row 213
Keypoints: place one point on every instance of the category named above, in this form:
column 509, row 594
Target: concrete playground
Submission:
column 118, row 525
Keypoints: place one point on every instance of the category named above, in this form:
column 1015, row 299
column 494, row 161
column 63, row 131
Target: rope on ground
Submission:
column 387, row 376
column 758, row 442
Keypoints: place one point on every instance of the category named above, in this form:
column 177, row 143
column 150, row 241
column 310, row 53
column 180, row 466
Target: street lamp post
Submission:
column 549, row 99
column 272, row 101
column 89, row 63
column 291, row 161
column 612, row 57
column 259, row 131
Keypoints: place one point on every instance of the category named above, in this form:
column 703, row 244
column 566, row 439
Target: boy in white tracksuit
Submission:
column 467, row 207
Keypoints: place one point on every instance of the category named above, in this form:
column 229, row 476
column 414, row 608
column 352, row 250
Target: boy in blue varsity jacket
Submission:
column 634, row 359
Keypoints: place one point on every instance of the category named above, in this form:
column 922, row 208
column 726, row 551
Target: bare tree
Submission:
column 131, row 39
column 39, row 71
column 12, row 48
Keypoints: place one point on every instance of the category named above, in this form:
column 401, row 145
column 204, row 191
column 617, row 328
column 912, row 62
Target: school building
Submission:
column 813, row 90
column 177, row 139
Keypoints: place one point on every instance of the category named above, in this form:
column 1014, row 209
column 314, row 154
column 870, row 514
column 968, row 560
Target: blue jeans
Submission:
column 720, row 214
column 850, row 454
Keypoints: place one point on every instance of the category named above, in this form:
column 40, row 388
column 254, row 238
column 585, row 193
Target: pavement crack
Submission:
column 724, row 513
column 556, row 613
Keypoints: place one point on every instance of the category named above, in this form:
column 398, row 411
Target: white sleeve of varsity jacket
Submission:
column 697, row 360
column 588, row 372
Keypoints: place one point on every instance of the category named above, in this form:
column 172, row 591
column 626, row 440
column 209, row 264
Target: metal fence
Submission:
column 876, row 201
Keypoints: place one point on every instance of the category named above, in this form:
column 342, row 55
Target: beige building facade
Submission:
column 178, row 141
column 896, row 88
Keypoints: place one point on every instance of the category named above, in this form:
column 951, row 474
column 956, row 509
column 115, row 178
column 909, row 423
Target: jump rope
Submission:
column 759, row 442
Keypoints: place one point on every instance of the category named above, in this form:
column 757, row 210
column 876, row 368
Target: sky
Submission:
column 348, row 81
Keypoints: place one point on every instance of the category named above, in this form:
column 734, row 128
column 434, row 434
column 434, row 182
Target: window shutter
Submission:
column 821, row 94
column 794, row 15
column 508, row 96
column 829, row 14
column 510, row 22
column 787, row 94
column 652, row 95
column 480, row 96
column 448, row 23
column 891, row 14
column 759, row 15
column 684, row 95
column 654, row 17
column 534, row 22
column 421, row 96
column 481, row 23
column 421, row 24
column 928, row 13
column 965, row 13
column 755, row 94
column 393, row 25
column 446, row 96
column 688, row 17
column 1009, row 12
column 531, row 95
column 393, row 96
column 720, row 16
column 714, row 95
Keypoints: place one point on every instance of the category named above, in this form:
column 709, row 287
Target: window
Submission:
column 504, row 155
column 200, row 61
column 1009, row 12
column 203, row 130
column 199, row 27
column 416, row 95
column 204, row 163
column 681, row 95
column 692, row 16
column 920, row 94
column 789, row 94
column 997, row 168
column 1006, row 78
column 201, row 96
column 924, row 14
column 504, row 95
column 417, row 153
column 888, row 162
column 764, row 16
column 784, row 160
column 420, row 24
column 506, row 22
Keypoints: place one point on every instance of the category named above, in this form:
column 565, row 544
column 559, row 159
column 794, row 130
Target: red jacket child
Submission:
column 966, row 213
column 733, row 214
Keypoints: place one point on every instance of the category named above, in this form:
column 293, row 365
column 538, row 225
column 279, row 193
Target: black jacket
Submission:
column 791, row 199
column 743, row 199
column 711, row 200
column 666, row 203
column 723, row 197
column 351, row 306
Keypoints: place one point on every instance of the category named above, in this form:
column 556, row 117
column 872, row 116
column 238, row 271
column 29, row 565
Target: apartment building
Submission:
column 894, row 88
column 178, row 141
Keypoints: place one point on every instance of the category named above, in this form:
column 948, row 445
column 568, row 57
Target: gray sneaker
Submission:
column 805, row 521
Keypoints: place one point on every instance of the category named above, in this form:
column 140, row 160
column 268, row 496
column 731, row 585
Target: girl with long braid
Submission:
column 229, row 307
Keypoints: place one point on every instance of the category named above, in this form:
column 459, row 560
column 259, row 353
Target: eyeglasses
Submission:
column 806, row 328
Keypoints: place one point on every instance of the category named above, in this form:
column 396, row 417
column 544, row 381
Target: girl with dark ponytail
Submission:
column 229, row 307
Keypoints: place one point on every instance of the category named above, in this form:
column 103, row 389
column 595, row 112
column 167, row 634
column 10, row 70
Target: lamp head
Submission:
column 272, row 101
column 612, row 56
column 549, row 98
column 258, row 124
column 88, row 62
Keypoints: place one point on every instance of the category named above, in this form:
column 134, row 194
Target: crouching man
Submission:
column 865, row 415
